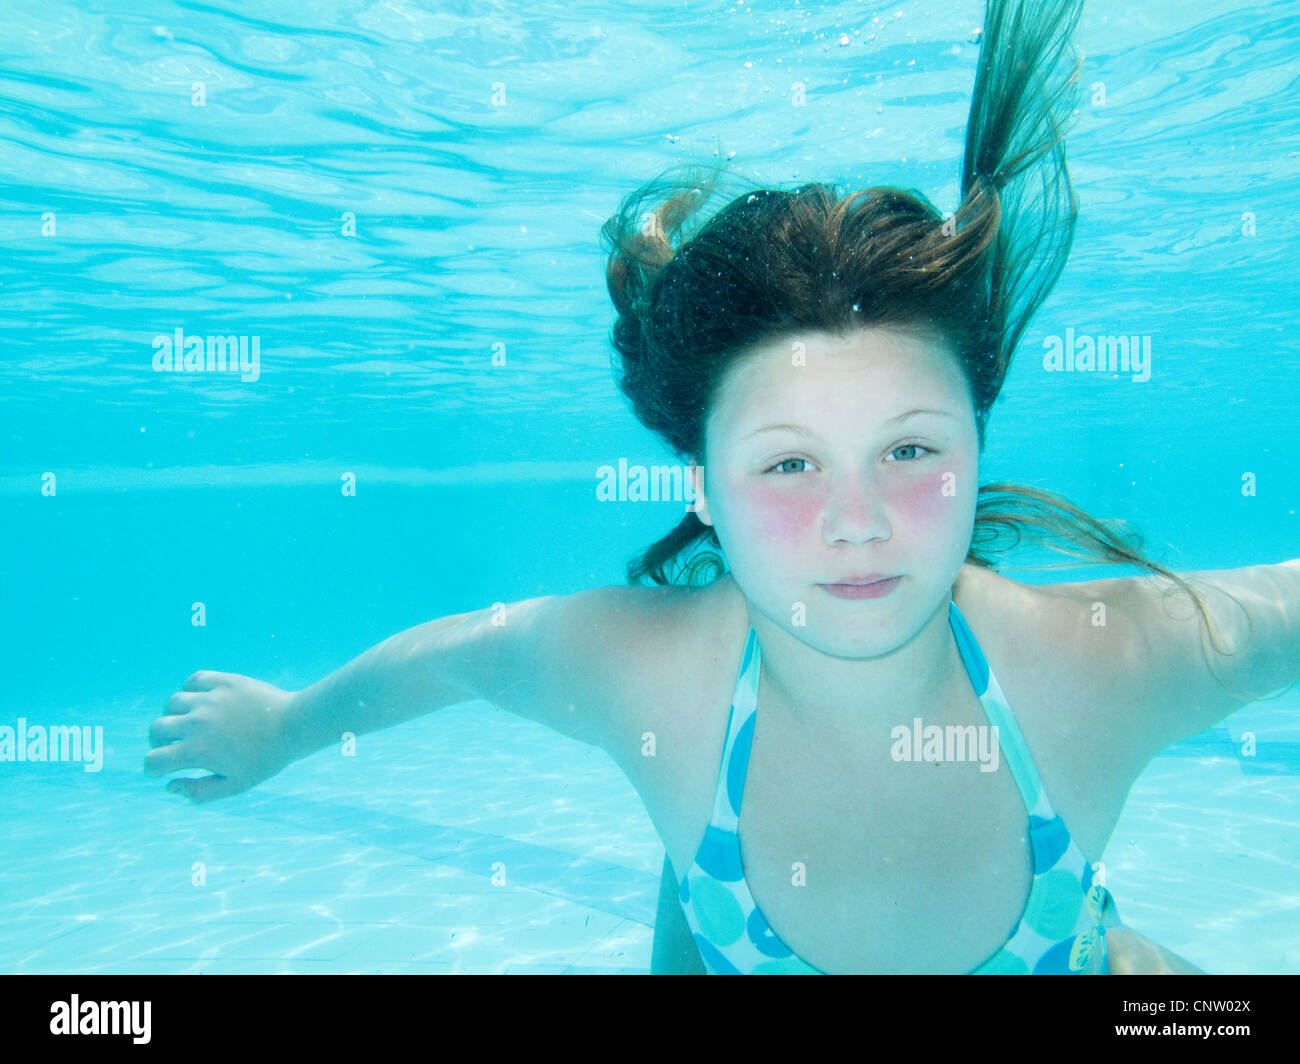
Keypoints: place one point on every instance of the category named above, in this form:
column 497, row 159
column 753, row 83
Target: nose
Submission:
column 855, row 511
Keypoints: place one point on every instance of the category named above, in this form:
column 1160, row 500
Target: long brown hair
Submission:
column 694, row 295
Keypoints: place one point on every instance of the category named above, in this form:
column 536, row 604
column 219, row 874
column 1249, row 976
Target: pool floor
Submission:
column 474, row 842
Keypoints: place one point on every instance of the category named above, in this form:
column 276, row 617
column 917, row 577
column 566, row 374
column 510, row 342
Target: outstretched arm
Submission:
column 1169, row 682
column 561, row 660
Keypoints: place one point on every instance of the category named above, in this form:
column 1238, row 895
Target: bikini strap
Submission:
column 998, row 711
column 730, row 787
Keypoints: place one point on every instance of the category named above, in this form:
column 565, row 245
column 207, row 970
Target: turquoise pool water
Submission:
column 384, row 195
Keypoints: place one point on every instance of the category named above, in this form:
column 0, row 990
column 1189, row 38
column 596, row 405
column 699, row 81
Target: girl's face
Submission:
column 833, row 459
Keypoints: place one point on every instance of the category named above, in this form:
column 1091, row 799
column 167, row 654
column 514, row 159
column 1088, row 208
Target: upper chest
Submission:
column 861, row 862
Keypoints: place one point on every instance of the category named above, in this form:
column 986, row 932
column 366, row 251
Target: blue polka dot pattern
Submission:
column 719, row 855
column 1049, row 839
column 1061, row 928
column 763, row 937
column 714, row 961
column 1055, row 959
column 739, row 766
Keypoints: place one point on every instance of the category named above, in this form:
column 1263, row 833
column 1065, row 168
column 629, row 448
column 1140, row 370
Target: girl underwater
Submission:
column 931, row 756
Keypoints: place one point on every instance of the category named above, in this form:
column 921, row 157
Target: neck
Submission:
column 864, row 695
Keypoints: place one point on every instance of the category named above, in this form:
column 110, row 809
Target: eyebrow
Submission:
column 800, row 430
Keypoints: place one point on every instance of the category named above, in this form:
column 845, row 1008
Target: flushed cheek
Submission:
column 781, row 519
column 923, row 505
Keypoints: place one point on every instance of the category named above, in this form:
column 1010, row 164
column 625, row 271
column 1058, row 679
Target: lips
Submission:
column 870, row 589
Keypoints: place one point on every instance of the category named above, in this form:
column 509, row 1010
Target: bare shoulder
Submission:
column 1010, row 602
column 671, row 717
column 1067, row 629
column 606, row 664
column 1186, row 653
column 1070, row 661
column 1141, row 648
column 679, row 644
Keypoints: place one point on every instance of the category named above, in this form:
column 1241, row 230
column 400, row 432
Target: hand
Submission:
column 1129, row 953
column 223, row 722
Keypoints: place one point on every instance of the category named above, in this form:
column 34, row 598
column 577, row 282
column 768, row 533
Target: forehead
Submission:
column 867, row 372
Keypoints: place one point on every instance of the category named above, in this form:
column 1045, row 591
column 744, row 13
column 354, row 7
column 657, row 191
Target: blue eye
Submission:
column 913, row 447
column 786, row 460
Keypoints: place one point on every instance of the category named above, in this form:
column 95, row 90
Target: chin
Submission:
column 857, row 646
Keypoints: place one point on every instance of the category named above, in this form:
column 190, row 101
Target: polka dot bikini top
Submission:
column 1061, row 929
